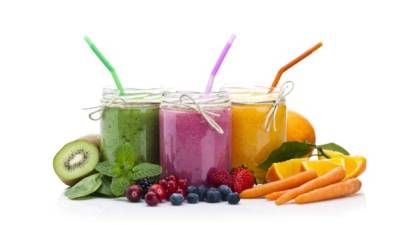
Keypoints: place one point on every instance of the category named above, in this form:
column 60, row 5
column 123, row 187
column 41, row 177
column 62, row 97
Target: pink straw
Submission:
column 218, row 63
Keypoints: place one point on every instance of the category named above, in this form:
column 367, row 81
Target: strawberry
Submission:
column 242, row 178
column 217, row 177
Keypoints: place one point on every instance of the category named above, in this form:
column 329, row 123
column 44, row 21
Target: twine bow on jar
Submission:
column 285, row 90
column 187, row 102
column 100, row 108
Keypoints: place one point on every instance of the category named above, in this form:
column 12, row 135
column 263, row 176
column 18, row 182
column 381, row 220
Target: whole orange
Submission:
column 299, row 128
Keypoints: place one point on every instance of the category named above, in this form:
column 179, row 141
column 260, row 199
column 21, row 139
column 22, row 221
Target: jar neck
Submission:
column 194, row 100
column 259, row 94
column 133, row 97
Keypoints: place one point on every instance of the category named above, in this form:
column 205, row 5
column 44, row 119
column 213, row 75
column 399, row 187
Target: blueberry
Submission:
column 233, row 198
column 192, row 189
column 193, row 198
column 213, row 196
column 176, row 199
column 202, row 192
column 212, row 189
column 225, row 191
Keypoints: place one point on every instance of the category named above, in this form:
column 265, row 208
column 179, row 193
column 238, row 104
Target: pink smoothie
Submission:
column 189, row 146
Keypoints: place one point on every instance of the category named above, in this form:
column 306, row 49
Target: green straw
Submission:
column 107, row 64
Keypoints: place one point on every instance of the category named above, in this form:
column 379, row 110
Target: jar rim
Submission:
column 214, row 99
column 134, row 95
column 258, row 88
column 254, row 94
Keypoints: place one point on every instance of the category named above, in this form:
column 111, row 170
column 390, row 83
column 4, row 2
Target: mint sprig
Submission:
column 125, row 169
column 144, row 170
column 293, row 149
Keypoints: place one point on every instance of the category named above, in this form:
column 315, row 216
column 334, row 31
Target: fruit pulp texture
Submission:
column 251, row 142
column 135, row 128
column 189, row 146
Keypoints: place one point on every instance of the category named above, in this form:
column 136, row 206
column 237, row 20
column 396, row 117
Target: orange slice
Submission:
column 332, row 154
column 284, row 169
column 323, row 166
column 355, row 166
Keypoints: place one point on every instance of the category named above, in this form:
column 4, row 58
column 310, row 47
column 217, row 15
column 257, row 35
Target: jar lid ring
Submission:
column 100, row 108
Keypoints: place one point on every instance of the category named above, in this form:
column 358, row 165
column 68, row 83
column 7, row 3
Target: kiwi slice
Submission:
column 75, row 161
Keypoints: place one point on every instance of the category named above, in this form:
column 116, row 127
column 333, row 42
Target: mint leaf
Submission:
column 334, row 147
column 119, row 185
column 125, row 157
column 145, row 170
column 84, row 187
column 105, row 188
column 286, row 151
column 106, row 168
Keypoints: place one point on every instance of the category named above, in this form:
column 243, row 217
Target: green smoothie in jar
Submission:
column 131, row 121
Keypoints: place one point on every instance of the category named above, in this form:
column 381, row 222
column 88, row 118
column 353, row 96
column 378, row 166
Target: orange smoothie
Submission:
column 251, row 141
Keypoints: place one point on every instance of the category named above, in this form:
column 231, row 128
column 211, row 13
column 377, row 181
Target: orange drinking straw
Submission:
column 292, row 63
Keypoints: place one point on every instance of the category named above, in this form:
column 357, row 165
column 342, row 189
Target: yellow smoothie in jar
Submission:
column 252, row 142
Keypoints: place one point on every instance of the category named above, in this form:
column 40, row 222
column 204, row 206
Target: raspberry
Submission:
column 217, row 177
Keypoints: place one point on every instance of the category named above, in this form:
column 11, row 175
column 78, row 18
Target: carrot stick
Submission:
column 292, row 63
column 332, row 191
column 275, row 195
column 331, row 177
column 280, row 185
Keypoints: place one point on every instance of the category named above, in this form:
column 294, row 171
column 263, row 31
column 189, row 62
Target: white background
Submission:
column 348, row 89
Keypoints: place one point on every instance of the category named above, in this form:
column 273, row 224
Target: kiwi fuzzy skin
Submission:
column 92, row 138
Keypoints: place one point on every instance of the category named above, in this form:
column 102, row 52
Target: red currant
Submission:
column 171, row 177
column 172, row 187
column 159, row 190
column 181, row 191
column 151, row 198
column 183, row 183
column 134, row 193
column 164, row 183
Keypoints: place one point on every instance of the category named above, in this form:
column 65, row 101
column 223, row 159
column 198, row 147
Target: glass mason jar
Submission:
column 258, row 125
column 195, row 134
column 131, row 121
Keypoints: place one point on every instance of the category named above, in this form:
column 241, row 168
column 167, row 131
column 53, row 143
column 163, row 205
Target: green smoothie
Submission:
column 135, row 127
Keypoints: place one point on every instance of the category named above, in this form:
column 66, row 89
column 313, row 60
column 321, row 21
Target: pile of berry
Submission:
column 223, row 186
column 212, row 194
column 154, row 193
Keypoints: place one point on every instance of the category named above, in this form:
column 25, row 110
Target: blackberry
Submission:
column 145, row 183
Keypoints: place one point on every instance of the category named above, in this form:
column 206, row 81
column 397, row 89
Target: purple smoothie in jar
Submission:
column 195, row 134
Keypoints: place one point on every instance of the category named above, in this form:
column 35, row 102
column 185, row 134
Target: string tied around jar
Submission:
column 100, row 108
column 194, row 105
column 270, row 119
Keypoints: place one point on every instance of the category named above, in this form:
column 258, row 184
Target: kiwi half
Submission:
column 75, row 161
